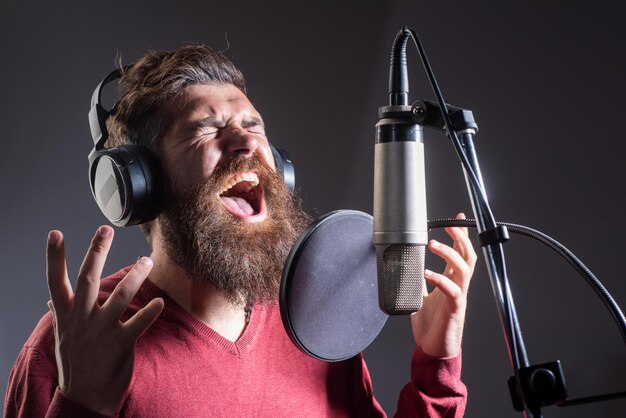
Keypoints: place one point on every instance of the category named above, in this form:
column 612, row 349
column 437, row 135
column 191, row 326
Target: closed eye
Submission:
column 206, row 131
column 257, row 129
column 254, row 125
column 206, row 127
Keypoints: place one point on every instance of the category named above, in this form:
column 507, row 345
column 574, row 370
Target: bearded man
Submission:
column 194, row 330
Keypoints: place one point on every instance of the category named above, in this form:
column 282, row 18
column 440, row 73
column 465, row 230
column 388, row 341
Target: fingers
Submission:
column 88, row 281
column 443, row 283
column 462, row 243
column 455, row 263
column 122, row 296
column 142, row 320
column 56, row 272
column 54, row 320
column 461, row 215
column 460, row 261
column 126, row 289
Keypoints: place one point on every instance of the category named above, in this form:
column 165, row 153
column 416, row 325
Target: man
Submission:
column 202, row 335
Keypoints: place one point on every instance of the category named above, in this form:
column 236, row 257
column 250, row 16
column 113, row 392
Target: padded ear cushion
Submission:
column 126, row 183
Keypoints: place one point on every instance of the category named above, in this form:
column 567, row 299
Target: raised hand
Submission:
column 438, row 326
column 94, row 349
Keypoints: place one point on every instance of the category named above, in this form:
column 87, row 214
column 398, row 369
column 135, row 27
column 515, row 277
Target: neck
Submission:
column 202, row 300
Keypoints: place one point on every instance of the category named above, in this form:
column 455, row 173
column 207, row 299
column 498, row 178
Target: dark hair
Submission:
column 156, row 78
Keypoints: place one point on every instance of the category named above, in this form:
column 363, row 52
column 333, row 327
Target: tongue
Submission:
column 238, row 204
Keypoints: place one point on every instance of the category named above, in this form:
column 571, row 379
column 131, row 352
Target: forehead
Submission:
column 220, row 101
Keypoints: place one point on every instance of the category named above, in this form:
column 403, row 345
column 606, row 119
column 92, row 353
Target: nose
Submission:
column 241, row 142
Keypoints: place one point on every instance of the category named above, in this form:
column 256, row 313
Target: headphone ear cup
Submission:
column 126, row 184
column 285, row 167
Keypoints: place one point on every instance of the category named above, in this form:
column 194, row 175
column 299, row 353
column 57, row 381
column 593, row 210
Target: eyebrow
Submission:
column 252, row 121
column 208, row 121
column 213, row 122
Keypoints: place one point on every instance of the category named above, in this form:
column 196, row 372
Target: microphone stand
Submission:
column 532, row 386
column 491, row 237
column 545, row 383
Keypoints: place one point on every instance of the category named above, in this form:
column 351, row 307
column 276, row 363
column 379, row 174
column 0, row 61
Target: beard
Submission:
column 244, row 261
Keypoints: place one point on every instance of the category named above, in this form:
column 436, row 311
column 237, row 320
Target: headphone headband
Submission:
column 98, row 115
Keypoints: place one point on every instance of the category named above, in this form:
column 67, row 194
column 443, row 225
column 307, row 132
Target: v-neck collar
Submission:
column 176, row 313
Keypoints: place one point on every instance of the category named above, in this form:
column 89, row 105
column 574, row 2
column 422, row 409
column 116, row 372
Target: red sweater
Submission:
column 185, row 369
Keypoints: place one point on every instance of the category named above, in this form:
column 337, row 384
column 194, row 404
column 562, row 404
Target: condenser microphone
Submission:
column 400, row 222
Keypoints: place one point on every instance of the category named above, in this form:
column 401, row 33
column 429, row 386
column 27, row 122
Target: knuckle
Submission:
column 448, row 252
column 90, row 278
column 142, row 269
column 140, row 316
column 463, row 240
column 123, row 292
column 98, row 245
column 464, row 269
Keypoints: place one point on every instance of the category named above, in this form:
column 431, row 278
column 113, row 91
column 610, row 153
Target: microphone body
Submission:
column 400, row 221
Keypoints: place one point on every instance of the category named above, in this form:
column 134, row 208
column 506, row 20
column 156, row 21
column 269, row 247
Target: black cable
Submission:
column 494, row 253
column 512, row 331
column 575, row 262
column 473, row 177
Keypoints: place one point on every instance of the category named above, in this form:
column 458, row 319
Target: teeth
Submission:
column 250, row 177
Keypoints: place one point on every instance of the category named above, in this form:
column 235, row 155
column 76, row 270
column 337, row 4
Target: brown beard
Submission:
column 244, row 261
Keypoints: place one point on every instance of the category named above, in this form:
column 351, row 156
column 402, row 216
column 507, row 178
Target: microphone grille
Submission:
column 401, row 268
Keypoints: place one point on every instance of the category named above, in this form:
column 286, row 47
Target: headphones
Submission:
column 126, row 181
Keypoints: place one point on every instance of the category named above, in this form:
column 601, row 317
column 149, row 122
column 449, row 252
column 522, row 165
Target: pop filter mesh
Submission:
column 329, row 292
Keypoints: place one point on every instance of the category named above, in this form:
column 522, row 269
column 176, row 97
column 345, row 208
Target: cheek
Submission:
column 268, row 157
column 186, row 171
column 205, row 167
column 199, row 164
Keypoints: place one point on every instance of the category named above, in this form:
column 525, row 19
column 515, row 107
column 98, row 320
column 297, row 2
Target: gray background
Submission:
column 545, row 82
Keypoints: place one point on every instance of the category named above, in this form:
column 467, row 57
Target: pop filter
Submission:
column 329, row 290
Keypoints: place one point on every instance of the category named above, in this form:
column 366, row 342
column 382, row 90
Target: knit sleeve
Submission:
column 31, row 386
column 32, row 389
column 435, row 389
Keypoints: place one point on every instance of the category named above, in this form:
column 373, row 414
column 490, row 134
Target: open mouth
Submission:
column 242, row 196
